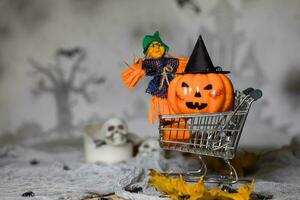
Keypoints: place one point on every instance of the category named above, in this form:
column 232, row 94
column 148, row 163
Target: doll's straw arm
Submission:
column 127, row 65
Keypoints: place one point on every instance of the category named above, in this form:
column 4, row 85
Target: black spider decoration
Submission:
column 28, row 194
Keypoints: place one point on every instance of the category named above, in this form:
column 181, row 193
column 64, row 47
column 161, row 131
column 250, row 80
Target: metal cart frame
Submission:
column 210, row 134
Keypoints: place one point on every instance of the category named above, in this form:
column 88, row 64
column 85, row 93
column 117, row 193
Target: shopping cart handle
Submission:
column 256, row 94
column 248, row 90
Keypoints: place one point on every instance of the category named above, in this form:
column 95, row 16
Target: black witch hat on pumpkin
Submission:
column 200, row 62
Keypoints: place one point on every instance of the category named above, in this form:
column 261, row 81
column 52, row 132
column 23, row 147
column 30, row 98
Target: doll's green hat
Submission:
column 148, row 39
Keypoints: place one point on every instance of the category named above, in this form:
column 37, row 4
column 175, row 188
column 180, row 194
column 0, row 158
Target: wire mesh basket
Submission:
column 210, row 134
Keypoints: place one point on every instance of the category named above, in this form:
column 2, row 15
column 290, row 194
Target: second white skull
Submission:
column 114, row 131
column 149, row 146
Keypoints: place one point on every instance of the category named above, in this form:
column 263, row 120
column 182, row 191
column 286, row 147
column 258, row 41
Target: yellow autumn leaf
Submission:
column 162, row 183
column 178, row 189
column 243, row 193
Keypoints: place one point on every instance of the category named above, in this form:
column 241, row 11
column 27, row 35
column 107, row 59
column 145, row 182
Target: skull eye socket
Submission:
column 110, row 128
column 208, row 87
column 121, row 127
column 184, row 84
column 146, row 146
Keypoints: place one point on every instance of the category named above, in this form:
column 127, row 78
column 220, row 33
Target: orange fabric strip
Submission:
column 158, row 106
column 182, row 64
column 131, row 77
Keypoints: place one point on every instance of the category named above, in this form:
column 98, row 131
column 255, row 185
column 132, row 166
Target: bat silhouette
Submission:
column 69, row 52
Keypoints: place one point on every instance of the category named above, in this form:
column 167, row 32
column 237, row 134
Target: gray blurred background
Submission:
column 258, row 40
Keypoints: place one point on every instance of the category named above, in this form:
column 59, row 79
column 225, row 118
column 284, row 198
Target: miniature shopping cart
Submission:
column 210, row 134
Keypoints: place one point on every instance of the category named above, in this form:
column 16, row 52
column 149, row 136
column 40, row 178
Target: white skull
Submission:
column 149, row 146
column 114, row 132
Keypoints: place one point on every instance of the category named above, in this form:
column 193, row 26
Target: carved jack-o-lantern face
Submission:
column 200, row 93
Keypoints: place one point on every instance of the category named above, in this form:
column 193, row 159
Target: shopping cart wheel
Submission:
column 228, row 188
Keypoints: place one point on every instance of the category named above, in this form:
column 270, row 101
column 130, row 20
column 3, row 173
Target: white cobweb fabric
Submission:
column 66, row 176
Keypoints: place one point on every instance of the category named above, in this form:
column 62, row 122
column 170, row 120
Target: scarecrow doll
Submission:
column 161, row 66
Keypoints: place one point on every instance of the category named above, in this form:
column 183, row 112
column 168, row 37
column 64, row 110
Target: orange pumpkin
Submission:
column 200, row 93
column 173, row 134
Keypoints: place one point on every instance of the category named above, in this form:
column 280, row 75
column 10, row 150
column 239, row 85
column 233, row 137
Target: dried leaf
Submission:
column 178, row 189
column 243, row 163
column 248, row 161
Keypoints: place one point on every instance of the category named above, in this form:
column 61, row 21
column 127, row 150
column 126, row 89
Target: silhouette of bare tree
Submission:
column 61, row 85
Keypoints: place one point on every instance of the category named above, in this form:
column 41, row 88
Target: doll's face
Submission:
column 155, row 50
